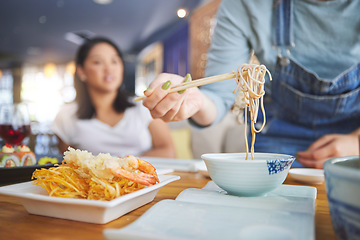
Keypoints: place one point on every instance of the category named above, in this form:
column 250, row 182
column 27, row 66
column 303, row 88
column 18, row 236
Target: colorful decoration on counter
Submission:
column 8, row 157
column 47, row 160
column 22, row 156
column 27, row 157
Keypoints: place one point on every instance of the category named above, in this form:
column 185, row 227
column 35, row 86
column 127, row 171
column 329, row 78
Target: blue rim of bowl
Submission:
column 278, row 165
column 343, row 171
column 277, row 157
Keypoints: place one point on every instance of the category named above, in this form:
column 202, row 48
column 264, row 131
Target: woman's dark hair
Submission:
column 86, row 109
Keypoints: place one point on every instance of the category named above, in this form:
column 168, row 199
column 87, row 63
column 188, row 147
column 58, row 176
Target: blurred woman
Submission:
column 103, row 118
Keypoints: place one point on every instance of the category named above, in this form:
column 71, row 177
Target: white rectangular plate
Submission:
column 209, row 213
column 37, row 201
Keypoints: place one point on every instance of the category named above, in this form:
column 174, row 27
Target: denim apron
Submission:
column 300, row 107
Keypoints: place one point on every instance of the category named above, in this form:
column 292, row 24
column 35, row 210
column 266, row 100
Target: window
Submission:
column 46, row 93
column 6, row 87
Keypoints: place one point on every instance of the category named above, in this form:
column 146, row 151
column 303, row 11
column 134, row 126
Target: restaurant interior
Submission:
column 38, row 42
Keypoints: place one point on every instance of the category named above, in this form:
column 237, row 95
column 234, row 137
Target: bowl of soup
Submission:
column 342, row 181
column 241, row 177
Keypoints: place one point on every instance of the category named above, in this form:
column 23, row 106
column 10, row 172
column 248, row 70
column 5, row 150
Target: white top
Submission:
column 130, row 136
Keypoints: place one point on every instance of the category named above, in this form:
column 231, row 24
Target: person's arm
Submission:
column 229, row 49
column 163, row 145
column 330, row 146
column 62, row 126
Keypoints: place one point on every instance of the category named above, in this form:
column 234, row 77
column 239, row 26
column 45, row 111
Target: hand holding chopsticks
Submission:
column 197, row 83
column 194, row 103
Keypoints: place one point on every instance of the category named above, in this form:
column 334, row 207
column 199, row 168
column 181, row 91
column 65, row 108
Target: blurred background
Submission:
column 39, row 39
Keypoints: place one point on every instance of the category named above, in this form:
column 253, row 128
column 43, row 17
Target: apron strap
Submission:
column 283, row 30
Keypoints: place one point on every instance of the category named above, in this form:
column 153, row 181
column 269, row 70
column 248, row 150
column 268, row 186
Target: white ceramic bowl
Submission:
column 342, row 180
column 241, row 177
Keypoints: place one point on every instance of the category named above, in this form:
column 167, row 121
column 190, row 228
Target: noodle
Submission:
column 64, row 181
column 250, row 80
column 101, row 177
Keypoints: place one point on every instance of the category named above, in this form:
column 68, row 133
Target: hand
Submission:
column 173, row 106
column 329, row 146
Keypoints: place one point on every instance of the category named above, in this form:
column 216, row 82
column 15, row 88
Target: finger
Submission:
column 167, row 106
column 312, row 164
column 321, row 142
column 316, row 158
column 160, row 80
column 304, row 154
column 302, row 159
column 148, row 91
column 321, row 148
column 187, row 79
column 156, row 95
column 325, row 152
column 172, row 113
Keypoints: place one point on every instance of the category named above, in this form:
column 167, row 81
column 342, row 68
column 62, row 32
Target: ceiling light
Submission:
column 79, row 37
column 33, row 51
column 49, row 70
column 71, row 68
column 103, row 2
column 181, row 13
column 60, row 3
column 42, row 19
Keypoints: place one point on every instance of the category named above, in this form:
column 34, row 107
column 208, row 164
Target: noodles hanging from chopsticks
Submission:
column 250, row 80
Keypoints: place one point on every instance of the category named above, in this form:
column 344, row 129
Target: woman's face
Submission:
column 103, row 69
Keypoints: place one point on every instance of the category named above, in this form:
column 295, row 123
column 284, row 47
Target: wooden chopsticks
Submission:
column 198, row 82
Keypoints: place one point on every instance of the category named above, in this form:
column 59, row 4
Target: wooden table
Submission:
column 16, row 223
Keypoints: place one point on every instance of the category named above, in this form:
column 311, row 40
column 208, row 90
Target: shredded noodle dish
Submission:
column 101, row 177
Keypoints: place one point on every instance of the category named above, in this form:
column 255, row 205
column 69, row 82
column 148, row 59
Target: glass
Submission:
column 14, row 123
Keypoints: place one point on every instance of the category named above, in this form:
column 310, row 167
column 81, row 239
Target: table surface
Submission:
column 16, row 223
